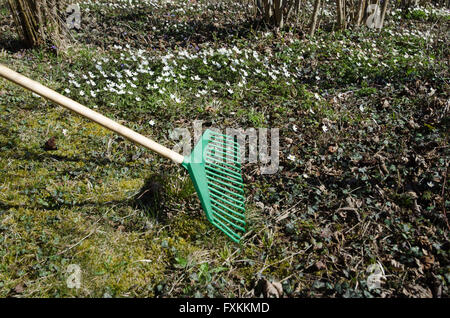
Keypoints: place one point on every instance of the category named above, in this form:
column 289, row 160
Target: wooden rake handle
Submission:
column 89, row 113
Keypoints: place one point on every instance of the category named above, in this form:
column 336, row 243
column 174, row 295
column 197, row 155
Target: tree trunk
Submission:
column 383, row 12
column 340, row 14
column 37, row 21
column 314, row 17
column 277, row 12
column 360, row 12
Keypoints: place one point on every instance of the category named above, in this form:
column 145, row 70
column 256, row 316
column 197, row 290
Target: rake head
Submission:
column 215, row 169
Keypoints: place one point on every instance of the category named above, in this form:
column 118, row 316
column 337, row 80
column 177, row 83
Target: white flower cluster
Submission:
column 134, row 72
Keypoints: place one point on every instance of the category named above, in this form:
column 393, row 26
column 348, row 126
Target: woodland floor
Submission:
column 363, row 118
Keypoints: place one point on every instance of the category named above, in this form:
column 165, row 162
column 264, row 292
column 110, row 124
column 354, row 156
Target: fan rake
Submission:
column 215, row 168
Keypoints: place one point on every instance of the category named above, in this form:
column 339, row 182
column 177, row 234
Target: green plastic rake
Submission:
column 215, row 168
column 214, row 165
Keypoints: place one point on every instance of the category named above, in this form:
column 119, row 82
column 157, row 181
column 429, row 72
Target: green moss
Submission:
column 188, row 227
